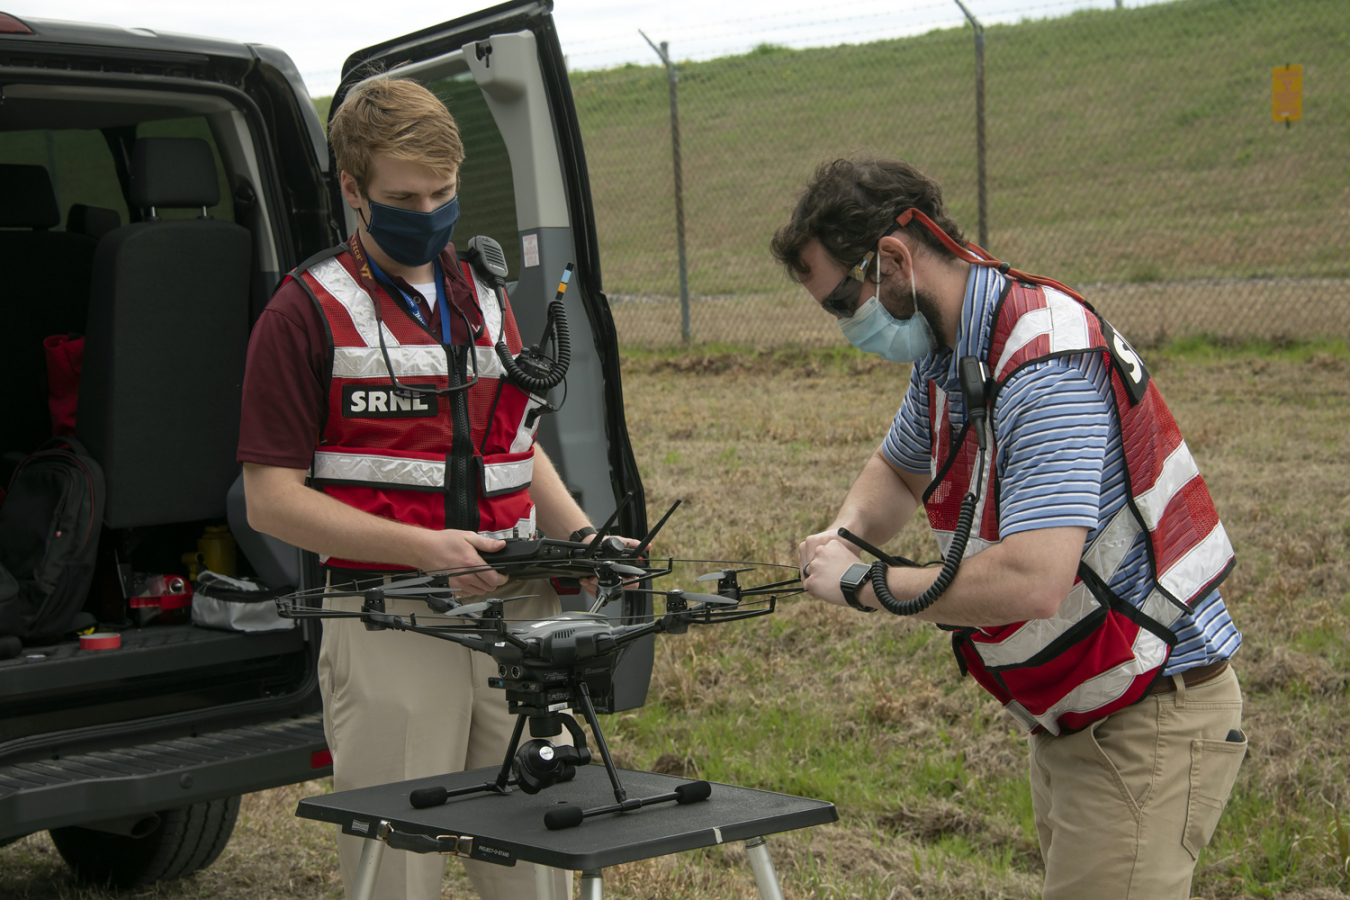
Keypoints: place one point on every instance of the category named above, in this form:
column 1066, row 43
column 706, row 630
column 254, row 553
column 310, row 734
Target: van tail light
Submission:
column 11, row 25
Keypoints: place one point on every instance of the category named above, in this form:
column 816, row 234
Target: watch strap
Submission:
column 850, row 585
column 584, row 531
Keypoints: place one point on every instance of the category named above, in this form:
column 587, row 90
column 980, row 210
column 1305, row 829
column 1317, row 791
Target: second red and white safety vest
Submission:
column 1098, row 653
column 461, row 460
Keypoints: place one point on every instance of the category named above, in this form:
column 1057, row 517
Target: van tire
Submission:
column 187, row 840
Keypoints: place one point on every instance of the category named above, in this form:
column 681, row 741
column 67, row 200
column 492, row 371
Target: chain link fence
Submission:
column 1130, row 152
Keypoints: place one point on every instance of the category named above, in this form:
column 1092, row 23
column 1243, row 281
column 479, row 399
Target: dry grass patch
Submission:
column 928, row 775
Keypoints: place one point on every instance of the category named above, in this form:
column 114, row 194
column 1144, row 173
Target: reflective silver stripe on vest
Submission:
column 1149, row 653
column 524, row 439
column 411, row 361
column 1178, row 469
column 370, row 468
column 943, row 413
column 337, row 281
column 1064, row 321
column 488, row 305
column 500, row 478
column 489, row 364
column 1036, row 634
column 1198, row 567
column 524, row 528
column 1104, row 557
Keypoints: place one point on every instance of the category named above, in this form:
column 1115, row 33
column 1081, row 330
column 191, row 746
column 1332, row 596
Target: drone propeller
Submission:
column 620, row 568
column 474, row 608
column 718, row 576
column 676, row 594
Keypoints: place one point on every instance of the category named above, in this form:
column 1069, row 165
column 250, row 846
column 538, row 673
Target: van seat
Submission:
column 165, row 349
column 47, row 276
column 94, row 221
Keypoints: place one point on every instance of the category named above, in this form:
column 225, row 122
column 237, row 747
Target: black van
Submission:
column 134, row 758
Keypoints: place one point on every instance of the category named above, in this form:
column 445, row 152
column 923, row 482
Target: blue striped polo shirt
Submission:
column 1060, row 460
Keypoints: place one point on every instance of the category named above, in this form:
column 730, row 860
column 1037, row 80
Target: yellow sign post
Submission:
column 1287, row 96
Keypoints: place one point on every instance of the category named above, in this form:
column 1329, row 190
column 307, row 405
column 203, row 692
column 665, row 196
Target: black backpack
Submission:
column 49, row 527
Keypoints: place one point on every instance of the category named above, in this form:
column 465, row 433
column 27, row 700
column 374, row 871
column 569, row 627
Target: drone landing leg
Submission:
column 505, row 774
column 584, row 693
column 424, row 798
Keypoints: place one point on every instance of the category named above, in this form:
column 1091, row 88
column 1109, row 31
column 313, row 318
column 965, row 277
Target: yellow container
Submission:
column 217, row 549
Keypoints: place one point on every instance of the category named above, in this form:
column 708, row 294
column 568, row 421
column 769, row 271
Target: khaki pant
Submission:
column 1124, row 807
column 398, row 706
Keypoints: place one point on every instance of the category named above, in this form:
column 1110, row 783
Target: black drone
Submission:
column 563, row 662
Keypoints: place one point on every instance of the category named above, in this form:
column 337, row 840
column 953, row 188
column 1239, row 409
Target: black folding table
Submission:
column 506, row 828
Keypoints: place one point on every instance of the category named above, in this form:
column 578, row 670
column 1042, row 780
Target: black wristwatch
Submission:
column 585, row 531
column 854, row 577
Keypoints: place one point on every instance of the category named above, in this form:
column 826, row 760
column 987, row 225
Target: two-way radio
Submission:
column 533, row 370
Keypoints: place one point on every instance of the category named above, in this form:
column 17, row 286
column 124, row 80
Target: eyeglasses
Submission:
column 842, row 302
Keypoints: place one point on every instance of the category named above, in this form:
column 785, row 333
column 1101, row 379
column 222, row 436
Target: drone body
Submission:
column 547, row 667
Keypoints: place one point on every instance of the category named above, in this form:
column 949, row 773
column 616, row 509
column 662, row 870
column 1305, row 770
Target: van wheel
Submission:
column 187, row 840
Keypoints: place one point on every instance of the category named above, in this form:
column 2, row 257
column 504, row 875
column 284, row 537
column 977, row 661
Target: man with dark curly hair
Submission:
column 1083, row 551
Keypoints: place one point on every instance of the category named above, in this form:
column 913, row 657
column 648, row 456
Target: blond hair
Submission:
column 399, row 118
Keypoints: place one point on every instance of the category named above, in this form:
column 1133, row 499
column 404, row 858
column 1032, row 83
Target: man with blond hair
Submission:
column 366, row 438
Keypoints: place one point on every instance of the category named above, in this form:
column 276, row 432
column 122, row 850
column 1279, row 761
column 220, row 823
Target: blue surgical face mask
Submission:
column 874, row 330
column 410, row 237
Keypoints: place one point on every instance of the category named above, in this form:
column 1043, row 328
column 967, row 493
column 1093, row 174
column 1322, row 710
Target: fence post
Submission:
column 672, row 78
column 979, row 126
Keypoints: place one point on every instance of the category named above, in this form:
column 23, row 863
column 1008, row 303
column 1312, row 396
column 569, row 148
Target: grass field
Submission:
column 1123, row 145
column 870, row 713
column 1149, row 314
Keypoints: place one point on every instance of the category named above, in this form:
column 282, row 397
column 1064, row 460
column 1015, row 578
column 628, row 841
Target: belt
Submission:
column 1190, row 677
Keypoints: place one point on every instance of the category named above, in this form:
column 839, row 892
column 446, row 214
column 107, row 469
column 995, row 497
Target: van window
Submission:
column 194, row 127
column 78, row 161
column 487, row 196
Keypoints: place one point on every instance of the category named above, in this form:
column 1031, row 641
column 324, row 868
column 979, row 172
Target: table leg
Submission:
column 765, row 876
column 543, row 882
column 369, row 867
column 592, row 885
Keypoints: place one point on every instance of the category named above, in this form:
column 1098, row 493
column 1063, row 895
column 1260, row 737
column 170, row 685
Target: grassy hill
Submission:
column 1123, row 145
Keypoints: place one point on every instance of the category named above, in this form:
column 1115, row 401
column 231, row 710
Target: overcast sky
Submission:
column 595, row 33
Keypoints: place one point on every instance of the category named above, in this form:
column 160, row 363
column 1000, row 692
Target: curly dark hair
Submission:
column 848, row 205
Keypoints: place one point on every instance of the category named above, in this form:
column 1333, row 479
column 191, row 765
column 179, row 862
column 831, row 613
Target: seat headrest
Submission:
column 26, row 198
column 173, row 173
column 94, row 221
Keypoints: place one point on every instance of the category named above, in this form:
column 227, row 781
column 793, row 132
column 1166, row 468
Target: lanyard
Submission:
column 412, row 306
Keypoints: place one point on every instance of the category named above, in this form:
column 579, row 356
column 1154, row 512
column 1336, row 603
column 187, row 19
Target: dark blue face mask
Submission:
column 409, row 237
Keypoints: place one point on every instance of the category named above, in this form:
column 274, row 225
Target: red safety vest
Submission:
column 1099, row 653
column 462, row 460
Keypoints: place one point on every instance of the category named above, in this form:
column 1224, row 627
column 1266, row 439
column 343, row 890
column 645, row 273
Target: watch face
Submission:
column 856, row 574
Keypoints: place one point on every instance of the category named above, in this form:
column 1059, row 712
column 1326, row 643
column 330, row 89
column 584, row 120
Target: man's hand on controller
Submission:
column 591, row 585
column 454, row 549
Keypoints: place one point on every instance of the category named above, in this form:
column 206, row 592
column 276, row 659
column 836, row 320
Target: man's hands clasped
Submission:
column 823, row 559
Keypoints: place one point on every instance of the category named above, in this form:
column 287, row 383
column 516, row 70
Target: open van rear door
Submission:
column 502, row 75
